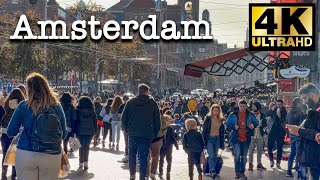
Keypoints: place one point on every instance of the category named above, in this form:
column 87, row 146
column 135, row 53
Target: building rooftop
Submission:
column 141, row 4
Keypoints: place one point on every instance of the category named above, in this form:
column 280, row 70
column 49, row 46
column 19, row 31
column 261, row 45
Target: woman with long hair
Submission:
column 31, row 161
column 67, row 103
column 213, row 134
column 85, row 129
column 106, row 120
column 116, row 120
column 10, row 104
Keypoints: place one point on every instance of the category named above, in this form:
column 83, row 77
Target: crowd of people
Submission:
column 43, row 121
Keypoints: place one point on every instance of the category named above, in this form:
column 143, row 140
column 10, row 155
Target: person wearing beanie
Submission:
column 257, row 138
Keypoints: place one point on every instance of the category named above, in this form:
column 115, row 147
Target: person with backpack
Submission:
column 106, row 120
column 116, row 120
column 85, row 129
column 193, row 145
column 141, row 121
column 213, row 135
column 67, row 101
column 11, row 103
column 39, row 150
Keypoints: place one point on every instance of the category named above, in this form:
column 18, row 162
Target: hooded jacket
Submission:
column 141, row 117
column 86, row 123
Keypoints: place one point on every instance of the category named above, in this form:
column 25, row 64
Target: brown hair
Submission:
column 242, row 101
column 143, row 88
column 117, row 101
column 40, row 94
column 14, row 94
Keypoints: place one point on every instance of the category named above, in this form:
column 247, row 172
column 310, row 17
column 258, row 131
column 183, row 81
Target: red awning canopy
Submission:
column 196, row 68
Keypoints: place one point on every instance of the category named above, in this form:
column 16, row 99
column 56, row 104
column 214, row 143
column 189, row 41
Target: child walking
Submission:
column 166, row 149
column 193, row 145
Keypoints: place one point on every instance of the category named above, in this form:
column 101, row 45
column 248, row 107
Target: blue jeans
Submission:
column 142, row 145
column 213, row 148
column 315, row 173
column 240, row 156
column 294, row 145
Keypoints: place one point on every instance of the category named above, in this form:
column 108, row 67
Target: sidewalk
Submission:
column 104, row 164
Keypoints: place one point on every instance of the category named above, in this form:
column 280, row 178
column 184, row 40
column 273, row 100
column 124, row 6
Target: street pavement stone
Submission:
column 105, row 164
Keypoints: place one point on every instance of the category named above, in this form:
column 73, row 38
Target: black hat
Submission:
column 258, row 105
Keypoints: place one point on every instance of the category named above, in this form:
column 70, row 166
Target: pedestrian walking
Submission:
column 166, row 149
column 213, row 134
column 67, row 103
column 97, row 109
column 257, row 138
column 10, row 104
column 126, row 138
column 43, row 121
column 295, row 117
column 309, row 150
column 85, row 129
column 106, row 119
column 116, row 121
column 277, row 132
column 193, row 145
column 242, row 123
column 141, row 121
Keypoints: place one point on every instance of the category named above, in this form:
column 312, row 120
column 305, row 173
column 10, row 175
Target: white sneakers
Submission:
column 125, row 159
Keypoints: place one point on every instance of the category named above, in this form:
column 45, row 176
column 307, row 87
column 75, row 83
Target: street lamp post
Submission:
column 119, row 68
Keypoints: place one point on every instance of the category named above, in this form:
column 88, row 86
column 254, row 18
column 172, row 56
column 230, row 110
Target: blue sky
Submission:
column 229, row 17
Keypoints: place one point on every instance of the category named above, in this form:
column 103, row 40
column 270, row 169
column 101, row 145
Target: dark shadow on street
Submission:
column 80, row 174
column 112, row 151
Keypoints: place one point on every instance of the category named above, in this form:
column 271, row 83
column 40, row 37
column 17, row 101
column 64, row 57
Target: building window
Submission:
column 136, row 17
column 141, row 17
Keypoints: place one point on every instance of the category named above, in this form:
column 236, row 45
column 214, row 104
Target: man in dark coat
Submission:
column 277, row 132
column 309, row 150
column 141, row 121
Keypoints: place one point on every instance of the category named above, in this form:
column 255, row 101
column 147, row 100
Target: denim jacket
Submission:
column 232, row 121
column 23, row 117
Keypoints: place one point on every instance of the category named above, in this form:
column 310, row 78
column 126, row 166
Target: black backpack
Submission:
column 46, row 135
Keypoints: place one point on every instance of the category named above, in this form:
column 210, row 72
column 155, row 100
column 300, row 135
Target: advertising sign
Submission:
column 293, row 72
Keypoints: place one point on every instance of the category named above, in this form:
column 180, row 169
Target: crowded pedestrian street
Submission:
column 106, row 164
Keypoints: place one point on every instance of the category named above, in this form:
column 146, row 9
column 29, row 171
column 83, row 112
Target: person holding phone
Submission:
column 295, row 117
column 309, row 153
column 277, row 132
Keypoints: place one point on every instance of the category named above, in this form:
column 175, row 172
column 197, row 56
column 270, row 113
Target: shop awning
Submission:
column 197, row 68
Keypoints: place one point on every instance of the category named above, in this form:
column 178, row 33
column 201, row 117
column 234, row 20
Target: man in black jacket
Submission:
column 141, row 121
column 276, row 134
column 309, row 151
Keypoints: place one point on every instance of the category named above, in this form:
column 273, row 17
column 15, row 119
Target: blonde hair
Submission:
column 216, row 106
column 40, row 94
column 191, row 124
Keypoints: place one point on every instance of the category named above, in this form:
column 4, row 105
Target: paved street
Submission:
column 105, row 164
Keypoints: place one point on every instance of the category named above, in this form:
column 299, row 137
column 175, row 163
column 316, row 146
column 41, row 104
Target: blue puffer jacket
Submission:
column 232, row 121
